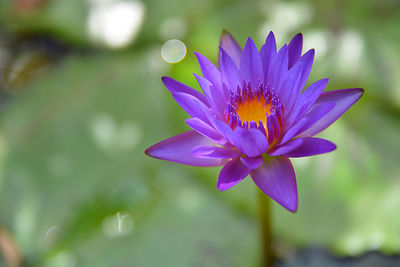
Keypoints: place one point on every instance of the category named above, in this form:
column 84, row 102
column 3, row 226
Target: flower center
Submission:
column 250, row 107
column 255, row 109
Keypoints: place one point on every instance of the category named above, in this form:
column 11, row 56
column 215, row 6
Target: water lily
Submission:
column 254, row 115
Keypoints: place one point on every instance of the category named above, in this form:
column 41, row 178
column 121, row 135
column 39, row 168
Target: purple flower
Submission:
column 254, row 115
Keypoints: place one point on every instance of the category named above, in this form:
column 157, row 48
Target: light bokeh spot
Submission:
column 173, row 51
column 115, row 24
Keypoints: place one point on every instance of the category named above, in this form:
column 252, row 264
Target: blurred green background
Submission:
column 81, row 99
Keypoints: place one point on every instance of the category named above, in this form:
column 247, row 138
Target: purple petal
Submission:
column 231, row 174
column 306, row 100
column 307, row 59
column 250, row 64
column 210, row 72
column 275, row 125
column 289, row 90
column 344, row 99
column 230, row 74
column 229, row 44
column 312, row 146
column 252, row 163
column 261, row 127
column 295, row 47
column 250, row 142
column 278, row 68
column 192, row 105
column 311, row 94
column 175, row 86
column 273, row 128
column 270, row 135
column 277, row 179
column 224, row 129
column 206, row 130
column 268, row 53
column 215, row 152
column 205, row 85
column 285, row 148
column 179, row 149
column 214, row 97
column 314, row 116
column 309, row 120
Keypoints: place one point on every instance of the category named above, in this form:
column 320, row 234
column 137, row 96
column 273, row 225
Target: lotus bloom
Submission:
column 254, row 115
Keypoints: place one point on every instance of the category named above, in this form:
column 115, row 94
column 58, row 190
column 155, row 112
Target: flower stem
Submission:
column 267, row 253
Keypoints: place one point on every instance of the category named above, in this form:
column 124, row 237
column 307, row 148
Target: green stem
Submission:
column 267, row 253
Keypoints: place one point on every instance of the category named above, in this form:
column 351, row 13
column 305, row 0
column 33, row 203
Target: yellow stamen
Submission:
column 254, row 109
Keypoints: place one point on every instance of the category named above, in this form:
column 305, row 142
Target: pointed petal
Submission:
column 289, row 89
column 214, row 97
column 295, row 47
column 205, row 85
column 179, row 149
column 175, row 86
column 250, row 142
column 252, row 163
column 306, row 100
column 229, row 44
column 210, row 72
column 344, row 99
column 215, row 152
column 230, row 73
column 276, row 128
column 307, row 59
column 311, row 94
column 231, row 174
column 268, row 53
column 314, row 116
column 206, row 130
column 286, row 148
column 278, row 68
column 270, row 129
column 224, row 129
column 277, row 179
column 312, row 146
column 250, row 64
column 192, row 105
column 309, row 120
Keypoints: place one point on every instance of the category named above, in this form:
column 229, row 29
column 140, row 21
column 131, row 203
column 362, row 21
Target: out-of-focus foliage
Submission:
column 77, row 190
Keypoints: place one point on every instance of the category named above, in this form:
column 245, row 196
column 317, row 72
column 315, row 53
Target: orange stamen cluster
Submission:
column 255, row 109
